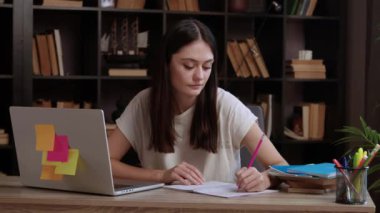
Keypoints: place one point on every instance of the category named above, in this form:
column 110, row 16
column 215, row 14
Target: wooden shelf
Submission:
column 280, row 36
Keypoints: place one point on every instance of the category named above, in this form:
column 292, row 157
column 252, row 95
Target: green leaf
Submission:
column 374, row 185
column 374, row 169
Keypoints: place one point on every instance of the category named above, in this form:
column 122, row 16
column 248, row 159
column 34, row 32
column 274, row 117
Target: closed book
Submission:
column 258, row 57
column 63, row 3
column 307, row 67
column 43, row 54
column 307, row 62
column 241, row 63
column 324, row 170
column 307, row 75
column 233, row 59
column 53, row 54
column 58, row 47
column 130, row 4
column 249, row 59
column 127, row 72
column 311, row 7
column 35, row 61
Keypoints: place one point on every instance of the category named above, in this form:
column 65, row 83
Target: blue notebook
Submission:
column 325, row 170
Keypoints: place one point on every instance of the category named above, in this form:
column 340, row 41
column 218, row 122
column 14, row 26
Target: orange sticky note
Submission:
column 47, row 173
column 70, row 167
column 45, row 162
column 45, row 135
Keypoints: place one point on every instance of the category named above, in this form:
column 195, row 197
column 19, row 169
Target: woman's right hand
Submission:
column 183, row 173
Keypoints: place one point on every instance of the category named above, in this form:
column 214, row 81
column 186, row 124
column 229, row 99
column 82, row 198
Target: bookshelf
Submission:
column 278, row 34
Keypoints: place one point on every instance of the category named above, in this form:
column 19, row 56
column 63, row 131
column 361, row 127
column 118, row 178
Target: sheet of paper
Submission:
column 193, row 187
column 216, row 188
column 228, row 191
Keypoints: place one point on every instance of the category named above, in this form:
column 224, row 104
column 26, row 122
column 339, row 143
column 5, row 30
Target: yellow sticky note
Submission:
column 44, row 160
column 69, row 167
column 48, row 173
column 45, row 135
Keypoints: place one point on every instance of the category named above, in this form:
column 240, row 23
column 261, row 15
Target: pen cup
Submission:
column 351, row 185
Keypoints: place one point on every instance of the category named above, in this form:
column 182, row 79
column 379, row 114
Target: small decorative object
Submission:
column 107, row 3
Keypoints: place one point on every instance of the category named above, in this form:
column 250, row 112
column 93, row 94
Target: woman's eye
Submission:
column 188, row 67
column 207, row 68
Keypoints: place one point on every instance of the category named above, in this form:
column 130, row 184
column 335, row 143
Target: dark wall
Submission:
column 372, row 87
column 363, row 69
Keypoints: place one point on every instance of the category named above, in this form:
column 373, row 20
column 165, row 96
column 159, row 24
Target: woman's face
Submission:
column 190, row 68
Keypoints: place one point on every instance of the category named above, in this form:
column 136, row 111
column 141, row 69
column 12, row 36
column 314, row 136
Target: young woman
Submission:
column 184, row 128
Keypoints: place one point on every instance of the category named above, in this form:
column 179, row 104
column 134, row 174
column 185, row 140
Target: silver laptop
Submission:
column 66, row 149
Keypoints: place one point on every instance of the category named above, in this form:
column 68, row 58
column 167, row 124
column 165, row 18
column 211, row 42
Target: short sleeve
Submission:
column 235, row 117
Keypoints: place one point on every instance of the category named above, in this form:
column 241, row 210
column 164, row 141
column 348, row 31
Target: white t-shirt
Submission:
column 235, row 119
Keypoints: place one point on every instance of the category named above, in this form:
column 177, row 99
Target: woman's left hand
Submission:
column 251, row 180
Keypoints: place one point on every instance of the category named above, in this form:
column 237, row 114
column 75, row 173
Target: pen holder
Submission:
column 351, row 185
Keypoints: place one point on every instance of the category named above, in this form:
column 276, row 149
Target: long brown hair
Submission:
column 204, row 127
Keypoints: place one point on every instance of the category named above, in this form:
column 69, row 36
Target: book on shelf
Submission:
column 129, row 72
column 53, row 54
column 35, row 60
column 42, row 103
column 311, row 7
column 58, row 48
column 306, row 74
column 254, row 47
column 68, row 104
column 43, row 54
column 182, row 5
column 4, row 137
column 242, row 66
column 303, row 61
column 192, row 5
column 306, row 69
column 267, row 104
column 130, row 4
column 307, row 122
column 233, row 59
column 216, row 188
column 302, row 7
column 254, row 70
column 63, row 3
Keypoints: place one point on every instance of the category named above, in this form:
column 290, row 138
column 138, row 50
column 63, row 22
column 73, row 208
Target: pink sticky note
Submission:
column 61, row 149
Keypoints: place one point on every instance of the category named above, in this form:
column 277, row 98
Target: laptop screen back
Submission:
column 83, row 162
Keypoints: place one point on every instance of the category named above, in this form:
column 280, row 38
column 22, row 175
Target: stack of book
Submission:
column 4, row 137
column 246, row 58
column 306, row 69
column 307, row 122
column 310, row 178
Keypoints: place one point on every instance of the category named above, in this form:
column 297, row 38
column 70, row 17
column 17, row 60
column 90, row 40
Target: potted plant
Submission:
column 364, row 137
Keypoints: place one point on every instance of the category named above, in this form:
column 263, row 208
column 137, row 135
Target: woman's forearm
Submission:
column 124, row 171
